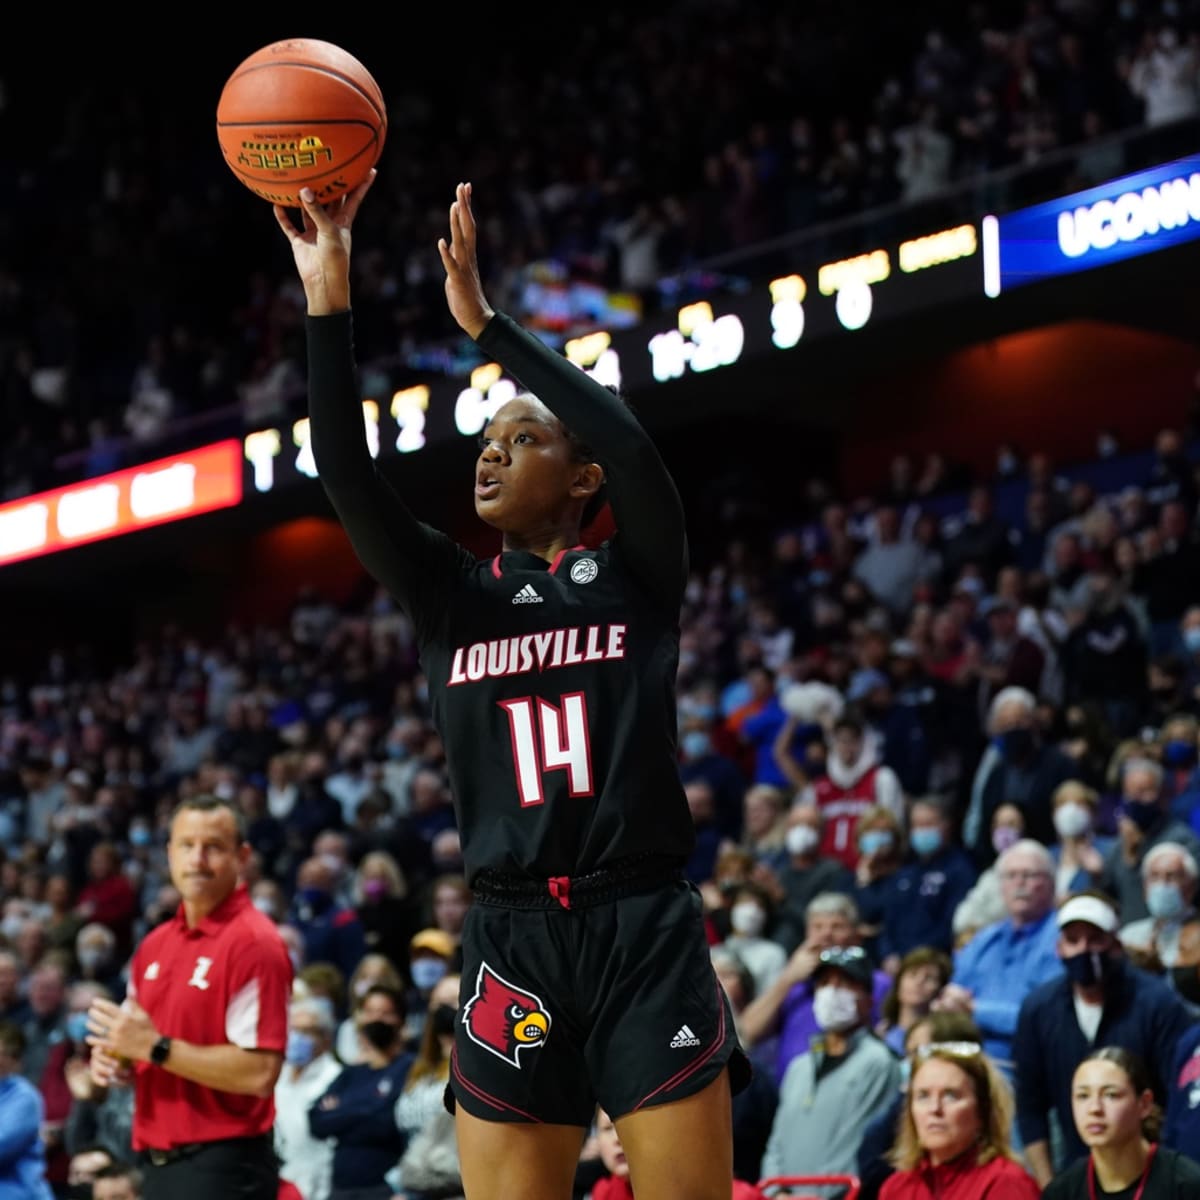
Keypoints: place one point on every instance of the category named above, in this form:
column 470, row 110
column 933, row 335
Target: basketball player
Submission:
column 551, row 667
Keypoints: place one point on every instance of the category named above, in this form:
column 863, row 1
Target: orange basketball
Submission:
column 301, row 113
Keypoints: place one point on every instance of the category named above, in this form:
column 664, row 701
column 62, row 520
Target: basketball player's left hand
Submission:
column 464, row 291
column 124, row 1030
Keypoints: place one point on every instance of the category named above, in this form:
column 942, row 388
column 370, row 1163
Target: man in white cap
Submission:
column 1098, row 1000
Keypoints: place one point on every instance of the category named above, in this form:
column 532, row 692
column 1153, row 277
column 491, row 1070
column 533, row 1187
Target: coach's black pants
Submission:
column 233, row 1169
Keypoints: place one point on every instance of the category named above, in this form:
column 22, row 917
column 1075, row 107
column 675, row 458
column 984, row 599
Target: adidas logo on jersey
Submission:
column 685, row 1037
column 527, row 596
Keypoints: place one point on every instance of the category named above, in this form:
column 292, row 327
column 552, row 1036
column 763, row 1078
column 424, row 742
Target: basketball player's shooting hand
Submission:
column 321, row 247
column 122, row 1031
column 464, row 291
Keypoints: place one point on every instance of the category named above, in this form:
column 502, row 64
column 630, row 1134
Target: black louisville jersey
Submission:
column 552, row 684
column 553, row 687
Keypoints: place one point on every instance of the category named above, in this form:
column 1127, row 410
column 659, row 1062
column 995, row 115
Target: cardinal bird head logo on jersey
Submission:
column 503, row 1018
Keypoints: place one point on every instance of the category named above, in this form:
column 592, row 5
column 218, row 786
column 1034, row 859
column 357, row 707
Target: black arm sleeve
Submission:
column 646, row 506
column 407, row 556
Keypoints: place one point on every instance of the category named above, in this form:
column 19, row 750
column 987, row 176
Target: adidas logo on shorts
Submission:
column 685, row 1037
column 527, row 596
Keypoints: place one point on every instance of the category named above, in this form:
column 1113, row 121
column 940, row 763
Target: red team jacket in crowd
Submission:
column 1001, row 1179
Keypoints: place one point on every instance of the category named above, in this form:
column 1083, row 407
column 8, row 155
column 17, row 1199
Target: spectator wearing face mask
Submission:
column 1019, row 768
column 309, row 1070
column 357, row 1111
column 332, row 932
column 700, row 758
column 96, row 954
column 374, row 970
column 806, row 876
column 1143, row 821
column 787, row 1008
column 98, row 1116
column 1169, row 878
column 1181, row 775
column 1080, row 852
column 880, row 854
column 750, row 919
column 830, row 1093
column 1098, row 1000
column 389, row 915
column 984, row 903
column 925, row 892
column 432, row 955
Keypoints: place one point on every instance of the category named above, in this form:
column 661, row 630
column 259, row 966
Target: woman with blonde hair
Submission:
column 1079, row 853
column 1116, row 1116
column 389, row 913
column 953, row 1138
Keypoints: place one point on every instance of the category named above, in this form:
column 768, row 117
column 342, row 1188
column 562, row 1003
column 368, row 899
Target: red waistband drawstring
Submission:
column 560, row 889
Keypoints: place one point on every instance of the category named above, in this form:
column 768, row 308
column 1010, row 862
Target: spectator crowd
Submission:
column 939, row 767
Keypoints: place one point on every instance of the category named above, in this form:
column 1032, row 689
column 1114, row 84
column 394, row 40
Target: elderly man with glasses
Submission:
column 847, row 1076
column 1005, row 961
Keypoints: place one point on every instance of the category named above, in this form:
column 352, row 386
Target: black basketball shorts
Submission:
column 615, row 1004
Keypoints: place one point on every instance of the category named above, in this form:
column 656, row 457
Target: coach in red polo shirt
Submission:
column 204, row 1023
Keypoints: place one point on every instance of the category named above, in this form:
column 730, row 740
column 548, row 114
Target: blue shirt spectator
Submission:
column 1004, row 962
column 927, row 889
column 22, row 1152
column 332, row 932
column 359, row 1109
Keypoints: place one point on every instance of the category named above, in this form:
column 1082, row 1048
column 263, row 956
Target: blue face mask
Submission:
column 905, row 1073
column 426, row 972
column 315, row 898
column 1191, row 639
column 875, row 840
column 926, row 841
column 1179, row 753
column 77, row 1028
column 695, row 744
column 301, row 1049
column 139, row 835
column 1164, row 901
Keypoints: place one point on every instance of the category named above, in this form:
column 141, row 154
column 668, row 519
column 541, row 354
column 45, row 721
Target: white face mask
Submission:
column 1072, row 820
column 747, row 918
column 801, row 839
column 835, row 1008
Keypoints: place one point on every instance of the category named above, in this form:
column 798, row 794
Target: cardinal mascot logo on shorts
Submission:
column 504, row 1019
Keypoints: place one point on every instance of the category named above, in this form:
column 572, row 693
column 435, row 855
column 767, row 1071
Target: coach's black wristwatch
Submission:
column 161, row 1051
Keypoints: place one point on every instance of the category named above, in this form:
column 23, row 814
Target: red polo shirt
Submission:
column 228, row 980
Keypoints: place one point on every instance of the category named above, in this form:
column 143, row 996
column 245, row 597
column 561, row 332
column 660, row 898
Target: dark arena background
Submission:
column 909, row 297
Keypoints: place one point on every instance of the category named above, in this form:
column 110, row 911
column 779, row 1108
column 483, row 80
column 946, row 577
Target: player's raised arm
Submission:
column 645, row 502
column 400, row 551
